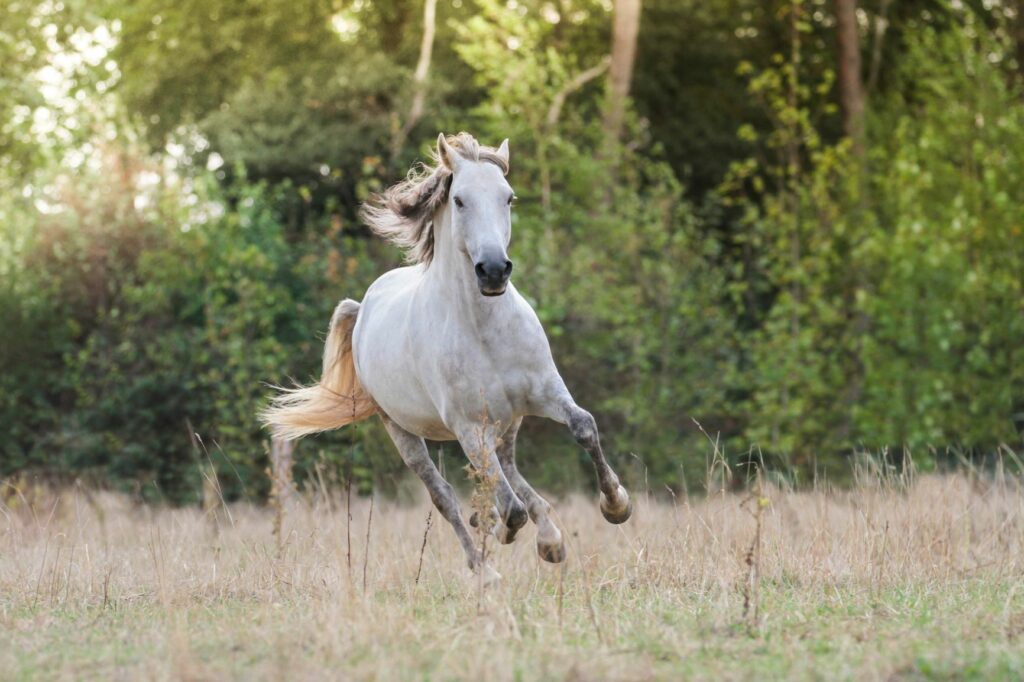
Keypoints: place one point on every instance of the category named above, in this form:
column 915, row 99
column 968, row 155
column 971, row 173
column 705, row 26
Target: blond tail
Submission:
column 334, row 402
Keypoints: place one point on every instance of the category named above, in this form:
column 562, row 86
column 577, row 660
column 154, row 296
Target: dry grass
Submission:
column 918, row 580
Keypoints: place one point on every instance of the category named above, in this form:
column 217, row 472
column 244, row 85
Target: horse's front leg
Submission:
column 480, row 443
column 615, row 504
column 549, row 538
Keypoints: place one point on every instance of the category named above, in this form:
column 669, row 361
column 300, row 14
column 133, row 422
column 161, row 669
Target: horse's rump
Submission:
column 338, row 399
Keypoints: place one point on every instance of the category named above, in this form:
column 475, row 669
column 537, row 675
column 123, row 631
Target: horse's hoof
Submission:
column 506, row 531
column 505, row 535
column 517, row 518
column 553, row 553
column 620, row 511
column 549, row 542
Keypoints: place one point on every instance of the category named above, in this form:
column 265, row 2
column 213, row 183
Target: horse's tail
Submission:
column 338, row 399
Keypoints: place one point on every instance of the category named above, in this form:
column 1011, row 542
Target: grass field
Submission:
column 917, row 579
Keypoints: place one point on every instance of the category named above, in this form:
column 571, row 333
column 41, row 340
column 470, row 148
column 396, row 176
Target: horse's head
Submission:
column 479, row 202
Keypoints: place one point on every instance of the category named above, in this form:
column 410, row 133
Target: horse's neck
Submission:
column 451, row 278
column 448, row 272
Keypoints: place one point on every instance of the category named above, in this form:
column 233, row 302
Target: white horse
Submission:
column 447, row 349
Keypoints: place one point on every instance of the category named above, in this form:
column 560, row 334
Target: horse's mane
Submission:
column 404, row 213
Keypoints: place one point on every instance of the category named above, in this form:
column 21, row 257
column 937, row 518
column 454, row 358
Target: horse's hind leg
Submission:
column 549, row 538
column 414, row 453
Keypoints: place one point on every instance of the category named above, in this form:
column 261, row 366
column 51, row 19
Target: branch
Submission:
column 419, row 78
column 581, row 79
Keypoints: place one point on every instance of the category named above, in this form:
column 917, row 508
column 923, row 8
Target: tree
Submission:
column 1019, row 37
column 419, row 78
column 851, row 90
column 625, row 27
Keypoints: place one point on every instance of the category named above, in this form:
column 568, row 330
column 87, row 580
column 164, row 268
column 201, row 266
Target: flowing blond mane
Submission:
column 404, row 213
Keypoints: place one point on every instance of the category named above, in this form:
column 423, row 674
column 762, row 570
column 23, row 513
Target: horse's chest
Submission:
column 495, row 371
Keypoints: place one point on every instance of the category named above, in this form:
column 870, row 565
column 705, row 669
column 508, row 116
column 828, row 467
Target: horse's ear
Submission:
column 448, row 156
column 503, row 151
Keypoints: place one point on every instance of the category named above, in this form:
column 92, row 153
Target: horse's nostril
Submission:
column 494, row 272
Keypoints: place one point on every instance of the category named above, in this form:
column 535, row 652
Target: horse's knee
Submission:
column 443, row 496
column 584, row 429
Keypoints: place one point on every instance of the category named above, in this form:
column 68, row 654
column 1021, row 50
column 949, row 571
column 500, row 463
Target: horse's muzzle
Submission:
column 492, row 276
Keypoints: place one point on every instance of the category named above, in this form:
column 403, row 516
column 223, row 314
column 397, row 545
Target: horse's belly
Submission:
column 404, row 401
column 396, row 391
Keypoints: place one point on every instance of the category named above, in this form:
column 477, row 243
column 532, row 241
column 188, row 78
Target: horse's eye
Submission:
column 458, row 202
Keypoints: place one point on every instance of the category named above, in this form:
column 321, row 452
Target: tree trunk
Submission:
column 282, row 487
column 419, row 78
column 625, row 27
column 851, row 89
column 1019, row 37
column 851, row 100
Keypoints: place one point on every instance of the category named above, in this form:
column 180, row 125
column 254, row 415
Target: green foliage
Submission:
column 795, row 266
column 943, row 363
column 885, row 295
column 180, row 60
column 31, row 34
column 309, row 92
column 613, row 259
column 172, row 317
column 812, row 303
column 21, row 53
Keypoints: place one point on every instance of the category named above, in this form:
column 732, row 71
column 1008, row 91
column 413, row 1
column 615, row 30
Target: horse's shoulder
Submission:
column 524, row 312
column 399, row 276
column 393, row 281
